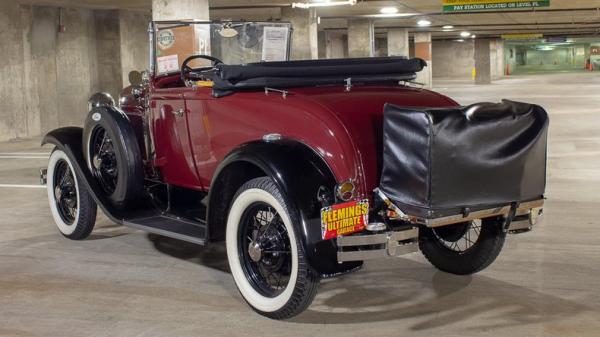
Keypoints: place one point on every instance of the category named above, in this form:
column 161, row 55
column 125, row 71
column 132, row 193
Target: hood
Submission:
column 361, row 112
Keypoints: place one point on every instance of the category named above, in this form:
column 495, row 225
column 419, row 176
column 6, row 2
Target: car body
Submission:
column 183, row 152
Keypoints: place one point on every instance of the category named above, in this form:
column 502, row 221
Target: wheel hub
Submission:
column 97, row 161
column 255, row 251
column 57, row 193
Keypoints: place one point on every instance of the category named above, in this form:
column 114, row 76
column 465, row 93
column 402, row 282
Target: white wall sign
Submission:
column 275, row 42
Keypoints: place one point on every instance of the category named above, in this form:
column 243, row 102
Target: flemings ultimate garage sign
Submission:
column 478, row 5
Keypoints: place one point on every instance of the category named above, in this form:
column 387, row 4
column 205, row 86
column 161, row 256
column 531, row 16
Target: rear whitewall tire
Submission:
column 85, row 215
column 303, row 281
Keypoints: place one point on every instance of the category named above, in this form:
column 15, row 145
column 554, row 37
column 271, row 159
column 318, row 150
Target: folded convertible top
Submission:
column 231, row 78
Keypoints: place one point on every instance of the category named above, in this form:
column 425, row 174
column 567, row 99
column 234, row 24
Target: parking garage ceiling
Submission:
column 572, row 17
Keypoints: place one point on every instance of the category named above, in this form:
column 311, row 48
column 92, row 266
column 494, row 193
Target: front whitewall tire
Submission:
column 85, row 213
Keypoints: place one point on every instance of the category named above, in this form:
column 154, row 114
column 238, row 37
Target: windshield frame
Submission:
column 152, row 30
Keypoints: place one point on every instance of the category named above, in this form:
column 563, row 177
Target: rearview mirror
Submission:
column 135, row 78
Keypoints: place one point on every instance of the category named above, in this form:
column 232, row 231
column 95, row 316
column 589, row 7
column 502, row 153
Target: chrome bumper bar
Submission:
column 376, row 246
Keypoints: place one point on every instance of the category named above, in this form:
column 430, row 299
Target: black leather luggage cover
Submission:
column 437, row 162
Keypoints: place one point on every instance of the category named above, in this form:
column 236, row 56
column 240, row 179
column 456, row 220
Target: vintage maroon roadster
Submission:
column 304, row 168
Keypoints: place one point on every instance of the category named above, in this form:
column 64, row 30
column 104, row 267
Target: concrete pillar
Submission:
column 179, row 9
column 397, row 42
column 336, row 45
column 322, row 44
column 500, row 61
column 304, row 37
column 134, row 42
column 482, row 61
column 361, row 38
column 423, row 51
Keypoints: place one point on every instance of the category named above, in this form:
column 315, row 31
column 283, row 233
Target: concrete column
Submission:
column 179, row 9
column 336, row 45
column 500, row 61
column 423, row 51
column 397, row 42
column 304, row 37
column 322, row 43
column 482, row 61
column 134, row 42
column 361, row 38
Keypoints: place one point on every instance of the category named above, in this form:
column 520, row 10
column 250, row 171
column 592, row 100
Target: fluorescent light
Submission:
column 307, row 5
column 465, row 34
column 423, row 23
column 460, row 40
column 388, row 10
column 448, row 27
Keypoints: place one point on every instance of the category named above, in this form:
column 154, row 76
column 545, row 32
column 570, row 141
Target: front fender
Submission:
column 299, row 173
column 69, row 140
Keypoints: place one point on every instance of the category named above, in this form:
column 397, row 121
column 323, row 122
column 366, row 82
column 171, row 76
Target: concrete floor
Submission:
column 123, row 282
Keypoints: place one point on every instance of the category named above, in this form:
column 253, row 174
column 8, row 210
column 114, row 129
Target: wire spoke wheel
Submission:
column 104, row 160
column 65, row 193
column 264, row 249
column 460, row 237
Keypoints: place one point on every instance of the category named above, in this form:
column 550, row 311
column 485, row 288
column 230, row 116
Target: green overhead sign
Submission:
column 479, row 5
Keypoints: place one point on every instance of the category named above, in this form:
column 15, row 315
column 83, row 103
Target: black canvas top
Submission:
column 230, row 78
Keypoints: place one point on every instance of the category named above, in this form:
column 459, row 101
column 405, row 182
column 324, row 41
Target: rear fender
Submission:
column 299, row 172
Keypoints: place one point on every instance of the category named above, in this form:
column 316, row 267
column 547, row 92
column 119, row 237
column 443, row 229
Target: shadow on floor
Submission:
column 438, row 298
column 383, row 293
column 213, row 256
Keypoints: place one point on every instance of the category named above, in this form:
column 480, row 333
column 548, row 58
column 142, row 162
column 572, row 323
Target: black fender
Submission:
column 299, row 172
column 68, row 140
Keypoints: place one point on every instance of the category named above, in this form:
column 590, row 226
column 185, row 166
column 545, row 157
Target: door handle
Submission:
column 179, row 112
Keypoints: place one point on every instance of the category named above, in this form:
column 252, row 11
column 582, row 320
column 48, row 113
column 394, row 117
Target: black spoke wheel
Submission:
column 65, row 192
column 104, row 159
column 463, row 248
column 113, row 156
column 71, row 205
column 266, row 257
column 264, row 249
column 460, row 237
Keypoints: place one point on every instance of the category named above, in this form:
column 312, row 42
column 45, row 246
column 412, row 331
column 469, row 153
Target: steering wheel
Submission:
column 188, row 72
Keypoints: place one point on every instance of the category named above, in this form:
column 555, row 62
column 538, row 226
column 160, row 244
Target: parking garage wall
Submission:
column 47, row 76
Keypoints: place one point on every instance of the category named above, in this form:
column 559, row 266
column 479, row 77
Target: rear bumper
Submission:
column 369, row 245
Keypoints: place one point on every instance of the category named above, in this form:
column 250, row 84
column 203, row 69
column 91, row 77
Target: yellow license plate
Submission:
column 345, row 218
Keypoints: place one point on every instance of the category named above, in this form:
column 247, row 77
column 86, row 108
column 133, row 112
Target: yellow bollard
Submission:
column 473, row 73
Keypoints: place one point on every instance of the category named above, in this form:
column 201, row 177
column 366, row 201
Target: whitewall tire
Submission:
column 71, row 205
column 265, row 256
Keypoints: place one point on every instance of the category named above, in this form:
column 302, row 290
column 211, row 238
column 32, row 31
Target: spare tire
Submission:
column 113, row 155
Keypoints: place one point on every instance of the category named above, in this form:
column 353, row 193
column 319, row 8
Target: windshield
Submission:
column 231, row 42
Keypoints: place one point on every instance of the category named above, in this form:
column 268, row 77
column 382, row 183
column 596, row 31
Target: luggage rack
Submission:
column 533, row 207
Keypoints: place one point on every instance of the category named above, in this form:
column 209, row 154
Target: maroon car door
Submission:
column 172, row 140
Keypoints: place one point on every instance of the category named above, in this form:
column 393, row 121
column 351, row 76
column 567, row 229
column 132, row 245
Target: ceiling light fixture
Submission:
column 423, row 23
column 465, row 34
column 460, row 40
column 448, row 27
column 473, row 36
column 307, row 5
column 388, row 10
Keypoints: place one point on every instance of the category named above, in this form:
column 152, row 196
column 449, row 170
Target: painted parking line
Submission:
column 23, row 157
column 21, row 186
column 47, row 154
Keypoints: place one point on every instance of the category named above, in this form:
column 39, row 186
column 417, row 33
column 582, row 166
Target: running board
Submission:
column 170, row 226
